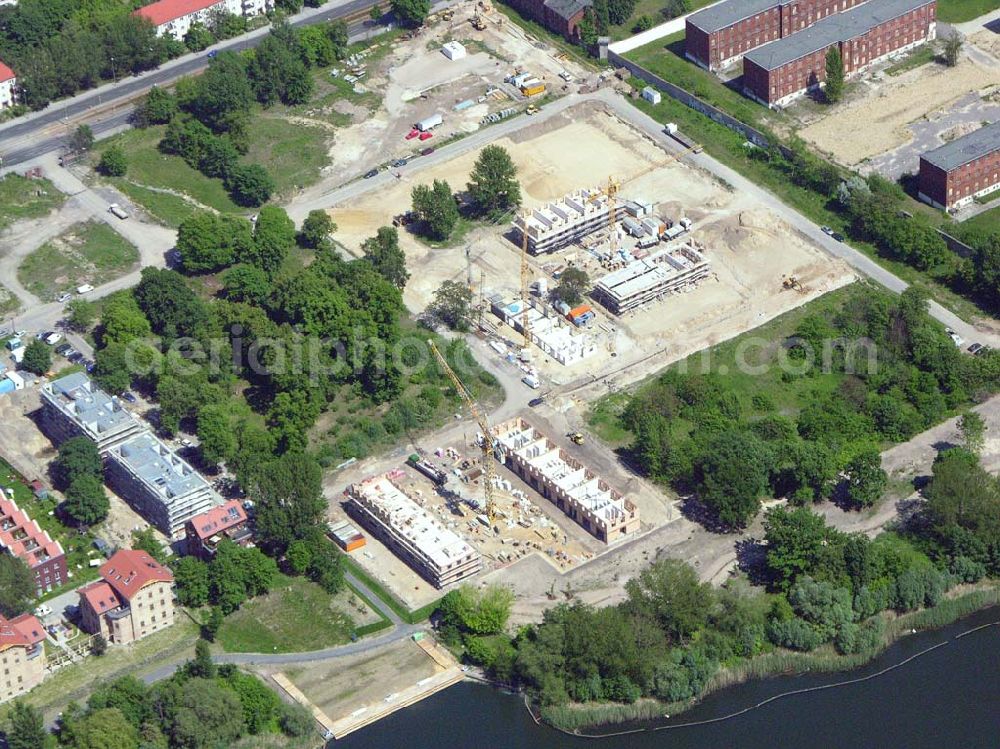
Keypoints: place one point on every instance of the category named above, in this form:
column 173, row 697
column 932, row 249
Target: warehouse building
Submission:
column 563, row 222
column 572, row 487
column 158, row 483
column 437, row 553
column 961, row 171
column 650, row 278
column 779, row 72
column 719, row 35
column 73, row 406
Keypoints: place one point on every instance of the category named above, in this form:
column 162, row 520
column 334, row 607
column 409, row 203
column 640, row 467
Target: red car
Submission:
column 412, row 134
column 427, row 152
column 426, row 136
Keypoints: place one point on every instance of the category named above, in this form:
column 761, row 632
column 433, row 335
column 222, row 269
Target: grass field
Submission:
column 22, row 198
column 751, row 370
column 655, row 10
column 296, row 616
column 8, row 302
column 86, row 253
column 292, row 153
column 959, row 11
column 167, row 208
column 922, row 55
column 987, row 221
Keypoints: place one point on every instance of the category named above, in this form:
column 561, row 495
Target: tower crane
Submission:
column 489, row 442
column 525, row 282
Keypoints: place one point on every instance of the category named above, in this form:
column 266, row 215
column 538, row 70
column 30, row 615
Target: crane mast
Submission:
column 489, row 460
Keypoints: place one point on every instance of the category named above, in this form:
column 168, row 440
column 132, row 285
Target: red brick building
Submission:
column 961, row 171
column 560, row 16
column 203, row 532
column 721, row 34
column 778, row 72
column 22, row 537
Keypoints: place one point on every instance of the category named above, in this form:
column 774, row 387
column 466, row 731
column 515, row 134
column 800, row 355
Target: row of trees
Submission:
column 200, row 707
column 703, row 436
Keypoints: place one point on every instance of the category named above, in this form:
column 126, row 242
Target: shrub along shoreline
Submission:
column 574, row 718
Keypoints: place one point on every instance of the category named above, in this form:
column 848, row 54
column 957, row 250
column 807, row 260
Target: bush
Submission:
column 795, row 634
column 250, row 185
column 295, row 720
column 113, row 162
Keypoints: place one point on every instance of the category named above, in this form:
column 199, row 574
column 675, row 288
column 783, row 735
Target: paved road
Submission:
column 107, row 109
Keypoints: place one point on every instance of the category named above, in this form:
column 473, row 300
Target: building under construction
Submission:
column 648, row 279
column 553, row 335
column 439, row 554
column 566, row 482
column 561, row 223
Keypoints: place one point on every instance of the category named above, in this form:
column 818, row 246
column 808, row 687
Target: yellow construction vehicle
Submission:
column 489, row 441
column 791, row 282
column 576, row 438
column 447, row 15
column 478, row 23
column 531, row 110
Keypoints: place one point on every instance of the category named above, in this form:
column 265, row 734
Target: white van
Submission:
column 531, row 381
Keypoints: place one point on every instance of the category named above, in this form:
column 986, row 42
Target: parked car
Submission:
column 954, row 336
column 974, row 348
column 212, row 54
column 116, row 210
column 64, row 297
column 427, row 151
column 43, row 335
column 399, row 162
column 69, row 352
column 839, row 237
column 371, row 173
column 129, row 397
column 53, row 338
column 826, row 230
column 76, row 357
column 536, row 402
column 63, row 349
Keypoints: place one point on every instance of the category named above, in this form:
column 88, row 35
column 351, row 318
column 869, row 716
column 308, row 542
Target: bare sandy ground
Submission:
column 878, row 122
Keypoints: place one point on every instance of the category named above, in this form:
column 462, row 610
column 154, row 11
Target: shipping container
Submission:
column 429, row 123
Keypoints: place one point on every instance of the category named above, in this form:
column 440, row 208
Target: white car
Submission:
column 64, row 297
column 53, row 338
column 954, row 336
column 84, row 288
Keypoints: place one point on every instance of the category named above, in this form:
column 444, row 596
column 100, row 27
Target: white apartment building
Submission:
column 8, row 87
column 176, row 17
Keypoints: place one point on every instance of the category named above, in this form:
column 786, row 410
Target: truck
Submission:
column 674, row 132
column 429, row 123
column 422, row 466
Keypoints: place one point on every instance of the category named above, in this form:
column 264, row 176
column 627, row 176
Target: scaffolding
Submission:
column 647, row 280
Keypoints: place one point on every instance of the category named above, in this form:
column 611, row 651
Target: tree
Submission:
column 952, row 48
column 246, row 283
column 834, row 89
column 17, row 586
column 383, row 252
column 25, row 727
column 669, row 592
column 316, row 229
column 202, row 666
column 105, row 729
column 147, row 541
column 411, row 13
column 211, row 623
column 37, row 357
column 122, row 320
column 375, row 14
column 273, row 239
column 295, row 720
column 78, row 456
column 452, row 304
column 191, row 581
column 172, row 308
column 865, row 478
column 198, row 38
column 573, row 284
column 114, row 162
column 642, row 23
column 437, row 209
column 217, row 440
column 98, row 645
column 619, row 11
column 250, row 185
column 82, row 314
column 82, row 139
column 493, row 185
column 795, row 543
column 86, row 501
column 207, row 241
column 289, row 496
column 158, row 108
column 221, row 98
column 972, row 427
column 260, row 704
column 478, row 612
column 207, row 716
column 733, row 474
column 111, row 368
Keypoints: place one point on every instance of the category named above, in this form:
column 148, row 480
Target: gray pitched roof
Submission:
column 831, row 30
column 725, row 14
column 566, row 9
column 968, row 148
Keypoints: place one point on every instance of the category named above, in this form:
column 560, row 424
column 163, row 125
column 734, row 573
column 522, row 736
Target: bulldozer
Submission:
column 576, row 438
column 478, row 23
column 791, row 282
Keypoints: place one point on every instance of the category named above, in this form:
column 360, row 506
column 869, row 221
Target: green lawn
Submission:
column 8, row 302
column 167, row 208
column 148, row 167
column 296, row 616
column 655, row 10
column 959, row 11
column 987, row 221
column 293, row 153
column 22, row 198
column 922, row 55
column 750, row 365
column 86, row 253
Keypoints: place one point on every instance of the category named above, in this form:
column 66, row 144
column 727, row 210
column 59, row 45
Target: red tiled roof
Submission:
column 130, row 570
column 100, row 597
column 218, row 519
column 6, row 73
column 22, row 536
column 165, row 11
column 23, row 630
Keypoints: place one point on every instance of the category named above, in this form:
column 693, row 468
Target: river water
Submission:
column 947, row 698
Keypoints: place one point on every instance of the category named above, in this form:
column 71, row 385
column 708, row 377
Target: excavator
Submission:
column 489, row 443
